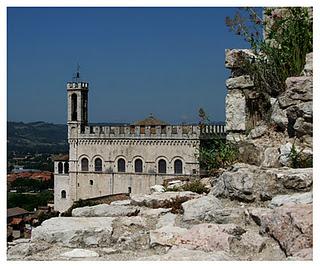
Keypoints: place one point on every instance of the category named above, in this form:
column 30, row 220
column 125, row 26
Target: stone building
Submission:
column 105, row 160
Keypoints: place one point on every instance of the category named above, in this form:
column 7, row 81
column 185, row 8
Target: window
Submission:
column 129, row 190
column 91, row 182
column 162, row 166
column 84, row 164
column 74, row 107
column 63, row 194
column 60, row 168
column 121, row 165
column 98, row 164
column 138, row 165
column 178, row 167
column 66, row 167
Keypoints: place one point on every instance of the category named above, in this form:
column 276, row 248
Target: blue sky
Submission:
column 165, row 61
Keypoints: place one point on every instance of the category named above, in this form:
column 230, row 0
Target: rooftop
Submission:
column 11, row 212
column 150, row 121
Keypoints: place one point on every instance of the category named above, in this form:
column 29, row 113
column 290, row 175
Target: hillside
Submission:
column 36, row 137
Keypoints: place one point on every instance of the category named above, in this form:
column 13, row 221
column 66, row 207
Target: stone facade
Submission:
column 106, row 160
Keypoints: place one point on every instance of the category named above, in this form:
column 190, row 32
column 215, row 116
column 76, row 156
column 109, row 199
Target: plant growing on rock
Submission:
column 282, row 53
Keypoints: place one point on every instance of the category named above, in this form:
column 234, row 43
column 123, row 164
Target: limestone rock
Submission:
column 235, row 111
column 74, row 231
column 251, row 243
column 291, row 225
column 183, row 254
column 153, row 212
column 308, row 68
column 166, row 220
column 279, row 116
column 157, row 189
column 104, row 210
column 298, row 89
column 209, row 237
column 80, row 253
column 165, row 236
column 236, row 57
column 305, row 254
column 243, row 81
column 126, row 202
column 285, row 153
column 271, row 157
column 298, row 198
column 299, row 179
column 166, row 199
column 302, row 127
column 19, row 251
column 226, row 215
column 258, row 131
column 196, row 209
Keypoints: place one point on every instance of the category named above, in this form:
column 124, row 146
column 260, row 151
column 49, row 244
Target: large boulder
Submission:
column 166, row 235
column 298, row 198
column 226, row 215
column 104, row 210
column 162, row 200
column 210, row 237
column 75, row 232
column 196, row 209
column 291, row 225
column 248, row 183
column 157, row 189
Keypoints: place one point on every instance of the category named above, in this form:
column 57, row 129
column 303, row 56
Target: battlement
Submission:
column 157, row 132
column 77, row 85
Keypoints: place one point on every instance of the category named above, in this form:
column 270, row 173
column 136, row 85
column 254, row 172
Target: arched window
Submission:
column 84, row 164
column 66, row 167
column 74, row 107
column 138, row 165
column 63, row 194
column 178, row 167
column 98, row 164
column 162, row 166
column 60, row 168
column 91, row 182
column 121, row 165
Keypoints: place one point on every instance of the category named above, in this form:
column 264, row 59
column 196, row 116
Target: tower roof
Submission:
column 150, row 121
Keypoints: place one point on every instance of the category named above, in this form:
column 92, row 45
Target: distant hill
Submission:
column 37, row 137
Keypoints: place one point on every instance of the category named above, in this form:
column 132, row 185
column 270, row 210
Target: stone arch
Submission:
column 74, row 107
column 166, row 164
column 60, row 168
column 66, row 167
column 178, row 166
column 121, row 164
column 97, row 161
column 84, row 164
column 63, row 194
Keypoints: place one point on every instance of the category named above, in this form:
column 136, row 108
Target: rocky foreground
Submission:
column 237, row 220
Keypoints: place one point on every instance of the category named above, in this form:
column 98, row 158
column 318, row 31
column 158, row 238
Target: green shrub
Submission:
column 195, row 186
column 217, row 153
column 283, row 53
column 298, row 159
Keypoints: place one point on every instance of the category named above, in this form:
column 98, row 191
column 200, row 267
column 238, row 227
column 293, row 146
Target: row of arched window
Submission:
column 138, row 165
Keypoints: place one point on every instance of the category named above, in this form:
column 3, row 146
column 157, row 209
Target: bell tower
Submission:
column 77, row 91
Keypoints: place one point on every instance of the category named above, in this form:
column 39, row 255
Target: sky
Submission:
column 165, row 61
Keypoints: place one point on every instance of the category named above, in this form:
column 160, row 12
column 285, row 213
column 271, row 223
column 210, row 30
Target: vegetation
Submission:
column 29, row 201
column 282, row 54
column 23, row 185
column 195, row 186
column 36, row 137
column 216, row 153
column 298, row 159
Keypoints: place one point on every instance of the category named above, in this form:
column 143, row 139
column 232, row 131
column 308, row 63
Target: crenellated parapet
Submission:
column 148, row 132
